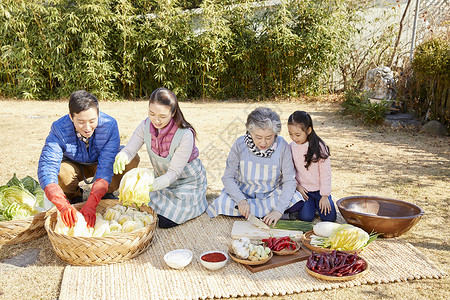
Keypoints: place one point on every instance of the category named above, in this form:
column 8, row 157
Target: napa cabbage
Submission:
column 345, row 237
column 112, row 221
column 124, row 218
column 135, row 187
column 101, row 228
column 114, row 226
column 111, row 214
column 20, row 199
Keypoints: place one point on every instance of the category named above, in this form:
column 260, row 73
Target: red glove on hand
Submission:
column 98, row 190
column 55, row 194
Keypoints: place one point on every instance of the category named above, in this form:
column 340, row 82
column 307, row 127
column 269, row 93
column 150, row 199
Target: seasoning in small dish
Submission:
column 214, row 257
column 214, row 260
column 178, row 258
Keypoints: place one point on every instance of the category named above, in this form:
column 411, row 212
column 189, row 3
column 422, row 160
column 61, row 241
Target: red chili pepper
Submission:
column 281, row 240
column 336, row 263
column 326, row 264
column 272, row 243
column 276, row 243
column 313, row 265
column 310, row 260
column 320, row 263
column 282, row 245
column 346, row 270
column 266, row 241
column 333, row 256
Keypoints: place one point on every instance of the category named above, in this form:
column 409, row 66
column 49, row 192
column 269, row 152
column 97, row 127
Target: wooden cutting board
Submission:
column 280, row 260
column 246, row 229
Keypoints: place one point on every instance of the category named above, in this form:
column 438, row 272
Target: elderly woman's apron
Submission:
column 184, row 199
column 259, row 179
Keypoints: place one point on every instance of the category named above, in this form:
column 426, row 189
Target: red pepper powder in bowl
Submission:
column 214, row 257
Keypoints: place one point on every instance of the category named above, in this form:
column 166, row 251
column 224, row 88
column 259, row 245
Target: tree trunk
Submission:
column 399, row 34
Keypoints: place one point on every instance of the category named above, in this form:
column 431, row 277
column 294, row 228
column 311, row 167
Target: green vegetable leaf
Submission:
column 18, row 211
column 33, row 187
column 19, row 197
column 29, row 183
column 15, row 182
column 294, row 225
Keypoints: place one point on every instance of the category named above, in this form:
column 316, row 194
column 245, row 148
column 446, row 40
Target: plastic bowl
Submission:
column 390, row 217
column 179, row 258
column 213, row 266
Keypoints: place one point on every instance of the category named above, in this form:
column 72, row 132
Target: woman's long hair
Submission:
column 317, row 148
column 166, row 97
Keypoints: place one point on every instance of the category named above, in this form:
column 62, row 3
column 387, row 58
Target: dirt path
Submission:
column 365, row 161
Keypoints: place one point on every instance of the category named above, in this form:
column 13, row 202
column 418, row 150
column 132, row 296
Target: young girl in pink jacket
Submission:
column 312, row 168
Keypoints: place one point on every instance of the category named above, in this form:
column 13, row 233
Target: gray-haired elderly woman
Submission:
column 259, row 178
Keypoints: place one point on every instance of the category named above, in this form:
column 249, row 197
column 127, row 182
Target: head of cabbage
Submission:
column 135, row 187
column 20, row 198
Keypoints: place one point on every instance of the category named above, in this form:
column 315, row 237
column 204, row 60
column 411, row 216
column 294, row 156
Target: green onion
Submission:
column 294, row 225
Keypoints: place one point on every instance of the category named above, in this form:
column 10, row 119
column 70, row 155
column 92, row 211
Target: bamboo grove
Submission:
column 127, row 48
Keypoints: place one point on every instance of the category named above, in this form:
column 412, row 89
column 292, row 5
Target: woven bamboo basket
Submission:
column 249, row 262
column 114, row 248
column 306, row 240
column 342, row 278
column 23, row 230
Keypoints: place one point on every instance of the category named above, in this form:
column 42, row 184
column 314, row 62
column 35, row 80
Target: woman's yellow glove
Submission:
column 120, row 163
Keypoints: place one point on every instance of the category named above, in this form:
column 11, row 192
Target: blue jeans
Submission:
column 163, row 222
column 307, row 209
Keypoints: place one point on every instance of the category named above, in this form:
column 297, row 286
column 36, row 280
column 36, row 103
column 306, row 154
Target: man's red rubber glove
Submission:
column 98, row 190
column 55, row 194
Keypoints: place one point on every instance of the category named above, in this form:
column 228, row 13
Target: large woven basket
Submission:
column 84, row 251
column 23, row 230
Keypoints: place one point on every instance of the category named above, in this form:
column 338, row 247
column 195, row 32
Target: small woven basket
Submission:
column 117, row 247
column 23, row 230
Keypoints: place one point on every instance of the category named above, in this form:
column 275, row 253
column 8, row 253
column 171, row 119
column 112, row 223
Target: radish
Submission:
column 325, row 228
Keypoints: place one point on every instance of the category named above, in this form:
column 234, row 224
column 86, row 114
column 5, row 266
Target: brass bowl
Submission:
column 390, row 217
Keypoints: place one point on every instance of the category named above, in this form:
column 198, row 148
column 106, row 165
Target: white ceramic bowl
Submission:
column 179, row 258
column 214, row 265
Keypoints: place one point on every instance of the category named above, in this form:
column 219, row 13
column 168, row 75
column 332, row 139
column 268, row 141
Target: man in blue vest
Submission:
column 81, row 145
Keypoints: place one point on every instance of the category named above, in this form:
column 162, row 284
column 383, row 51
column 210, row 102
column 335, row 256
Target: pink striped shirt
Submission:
column 317, row 177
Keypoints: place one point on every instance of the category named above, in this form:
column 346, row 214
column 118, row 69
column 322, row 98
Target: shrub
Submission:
column 353, row 102
column 374, row 113
column 424, row 86
column 357, row 103
column 127, row 48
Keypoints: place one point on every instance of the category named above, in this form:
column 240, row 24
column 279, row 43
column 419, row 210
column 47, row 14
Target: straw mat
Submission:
column 148, row 277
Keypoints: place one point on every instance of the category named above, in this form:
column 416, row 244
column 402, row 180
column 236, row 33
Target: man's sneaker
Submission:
column 110, row 196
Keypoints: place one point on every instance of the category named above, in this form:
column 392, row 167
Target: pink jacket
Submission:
column 317, row 177
column 161, row 140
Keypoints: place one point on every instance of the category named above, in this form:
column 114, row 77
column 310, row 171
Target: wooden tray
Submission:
column 249, row 262
column 306, row 240
column 337, row 278
column 281, row 260
column 286, row 251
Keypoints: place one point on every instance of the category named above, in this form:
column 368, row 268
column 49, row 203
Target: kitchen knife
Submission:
column 257, row 222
